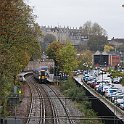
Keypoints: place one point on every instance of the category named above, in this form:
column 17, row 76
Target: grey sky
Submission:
column 74, row 13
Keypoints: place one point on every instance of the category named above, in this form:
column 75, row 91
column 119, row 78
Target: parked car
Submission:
column 86, row 78
column 116, row 96
column 102, row 84
column 122, row 105
column 110, row 91
column 94, row 84
column 103, row 87
column 99, row 86
column 116, row 80
column 91, row 81
column 119, row 100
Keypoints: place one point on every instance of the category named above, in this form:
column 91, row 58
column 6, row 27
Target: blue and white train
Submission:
column 41, row 74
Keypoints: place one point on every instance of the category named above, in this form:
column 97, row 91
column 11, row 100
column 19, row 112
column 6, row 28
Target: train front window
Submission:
column 43, row 73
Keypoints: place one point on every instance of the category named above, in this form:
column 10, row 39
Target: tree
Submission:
column 67, row 58
column 64, row 56
column 87, row 28
column 97, row 42
column 85, row 59
column 90, row 28
column 53, row 50
column 96, row 34
column 18, row 41
column 108, row 48
column 19, row 34
column 48, row 38
column 97, row 30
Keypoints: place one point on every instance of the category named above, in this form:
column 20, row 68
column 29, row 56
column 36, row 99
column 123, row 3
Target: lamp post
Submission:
column 102, row 81
column 87, row 68
column 105, row 66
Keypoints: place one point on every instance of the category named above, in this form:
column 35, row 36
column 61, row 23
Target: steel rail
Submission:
column 42, row 104
column 66, row 112
column 47, row 107
column 35, row 104
column 48, row 100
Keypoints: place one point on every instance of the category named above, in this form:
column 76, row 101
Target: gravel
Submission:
column 23, row 107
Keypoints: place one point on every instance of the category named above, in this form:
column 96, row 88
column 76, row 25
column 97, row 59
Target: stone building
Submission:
column 63, row 34
column 117, row 42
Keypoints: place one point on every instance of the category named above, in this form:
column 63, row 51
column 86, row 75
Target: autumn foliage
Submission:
column 18, row 40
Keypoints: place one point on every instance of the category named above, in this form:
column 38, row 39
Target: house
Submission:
column 117, row 42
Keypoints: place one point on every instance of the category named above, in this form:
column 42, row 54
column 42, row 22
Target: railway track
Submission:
column 40, row 108
column 59, row 105
column 47, row 107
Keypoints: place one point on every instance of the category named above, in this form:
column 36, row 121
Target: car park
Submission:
column 103, row 84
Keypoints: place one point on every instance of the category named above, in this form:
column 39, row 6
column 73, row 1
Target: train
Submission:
column 21, row 77
column 41, row 74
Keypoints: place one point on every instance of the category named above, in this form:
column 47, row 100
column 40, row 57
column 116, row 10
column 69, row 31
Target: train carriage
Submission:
column 41, row 74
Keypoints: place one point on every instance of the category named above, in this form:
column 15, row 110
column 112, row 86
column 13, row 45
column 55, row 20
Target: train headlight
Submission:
column 39, row 77
column 43, row 77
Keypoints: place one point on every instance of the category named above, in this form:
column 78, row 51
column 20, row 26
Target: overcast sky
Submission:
column 74, row 13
